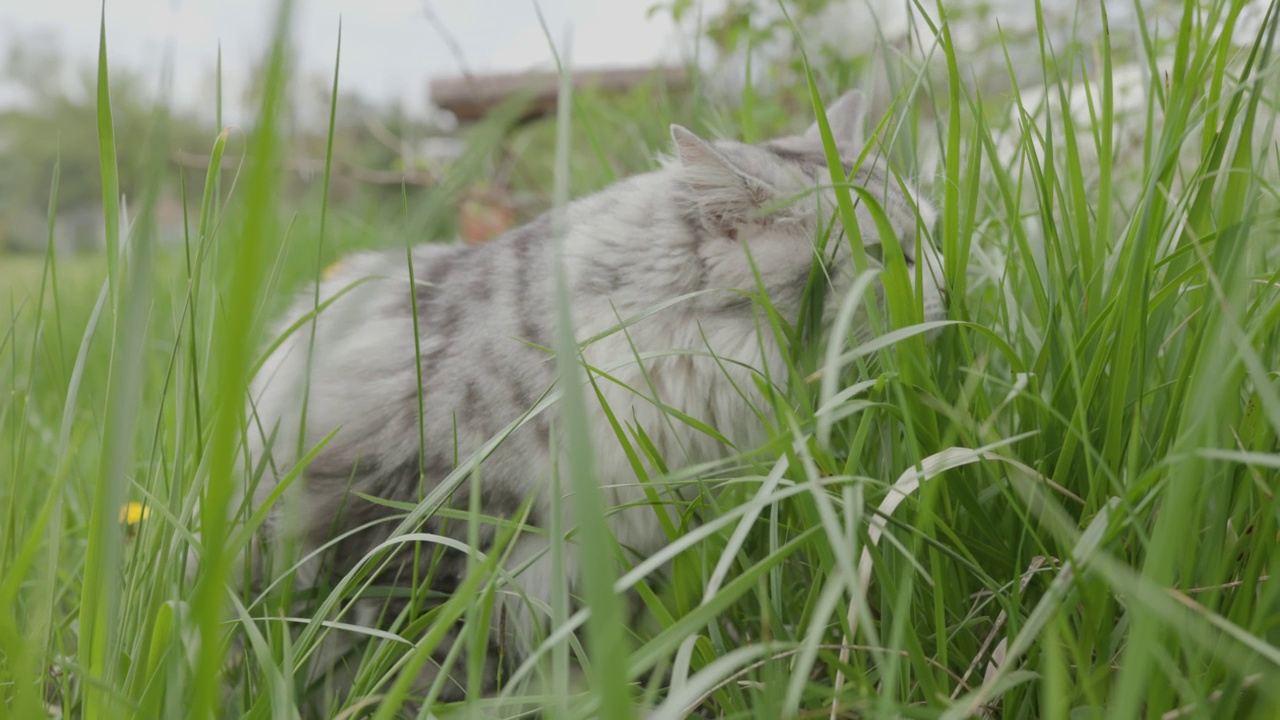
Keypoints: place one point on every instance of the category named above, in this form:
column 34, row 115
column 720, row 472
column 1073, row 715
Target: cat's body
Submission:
column 484, row 312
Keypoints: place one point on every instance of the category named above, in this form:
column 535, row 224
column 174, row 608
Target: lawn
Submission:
column 1062, row 506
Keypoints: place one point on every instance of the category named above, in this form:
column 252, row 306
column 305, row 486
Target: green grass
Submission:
column 1085, row 458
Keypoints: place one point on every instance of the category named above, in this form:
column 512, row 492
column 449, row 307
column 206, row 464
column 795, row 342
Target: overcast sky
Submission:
column 389, row 48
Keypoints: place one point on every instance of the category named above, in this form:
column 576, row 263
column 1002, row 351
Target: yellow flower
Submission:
column 133, row 513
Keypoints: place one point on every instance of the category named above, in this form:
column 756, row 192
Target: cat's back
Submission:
column 485, row 323
column 478, row 313
column 485, row 298
column 455, row 299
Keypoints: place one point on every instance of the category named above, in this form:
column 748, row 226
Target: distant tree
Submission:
column 51, row 123
column 53, row 119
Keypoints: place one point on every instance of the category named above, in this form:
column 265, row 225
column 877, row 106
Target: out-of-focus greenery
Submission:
column 55, row 124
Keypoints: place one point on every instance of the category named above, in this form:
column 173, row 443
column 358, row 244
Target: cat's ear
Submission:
column 724, row 194
column 846, row 117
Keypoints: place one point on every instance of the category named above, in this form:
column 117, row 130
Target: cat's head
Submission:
column 774, row 200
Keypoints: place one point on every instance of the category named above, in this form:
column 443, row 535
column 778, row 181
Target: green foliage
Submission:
column 1062, row 506
column 56, row 125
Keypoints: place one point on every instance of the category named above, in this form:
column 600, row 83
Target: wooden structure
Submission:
column 471, row 97
column 487, row 211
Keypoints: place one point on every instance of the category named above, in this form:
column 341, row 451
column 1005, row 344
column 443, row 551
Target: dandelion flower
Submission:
column 133, row 513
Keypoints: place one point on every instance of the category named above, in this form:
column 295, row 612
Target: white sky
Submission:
column 389, row 49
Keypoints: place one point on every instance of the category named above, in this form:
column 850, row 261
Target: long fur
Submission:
column 713, row 216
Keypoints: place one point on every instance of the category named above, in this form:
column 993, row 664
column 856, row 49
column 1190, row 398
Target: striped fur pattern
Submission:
column 695, row 225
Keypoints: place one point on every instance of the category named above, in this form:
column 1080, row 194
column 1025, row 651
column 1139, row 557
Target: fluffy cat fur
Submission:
column 484, row 312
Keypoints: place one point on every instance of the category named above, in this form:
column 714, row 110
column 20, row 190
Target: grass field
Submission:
column 1086, row 464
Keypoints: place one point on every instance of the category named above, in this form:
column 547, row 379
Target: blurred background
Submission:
column 416, row 74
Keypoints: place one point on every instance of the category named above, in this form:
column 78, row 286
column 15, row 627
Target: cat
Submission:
column 715, row 221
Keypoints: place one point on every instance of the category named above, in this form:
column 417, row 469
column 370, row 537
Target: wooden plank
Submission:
column 470, row 98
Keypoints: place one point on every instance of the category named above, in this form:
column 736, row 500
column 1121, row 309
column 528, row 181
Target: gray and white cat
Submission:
column 712, row 217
